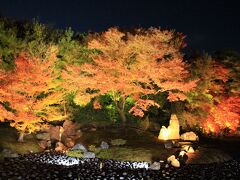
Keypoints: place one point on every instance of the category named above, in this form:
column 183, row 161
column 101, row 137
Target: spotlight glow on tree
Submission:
column 27, row 93
column 132, row 65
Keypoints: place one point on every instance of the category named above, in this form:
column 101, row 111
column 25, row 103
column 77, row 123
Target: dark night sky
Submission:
column 209, row 24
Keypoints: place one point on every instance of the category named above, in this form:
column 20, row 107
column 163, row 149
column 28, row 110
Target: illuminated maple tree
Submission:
column 213, row 105
column 131, row 65
column 224, row 116
column 27, row 94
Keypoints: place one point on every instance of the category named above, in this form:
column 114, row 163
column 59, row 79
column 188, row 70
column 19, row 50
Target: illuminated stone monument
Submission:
column 172, row 132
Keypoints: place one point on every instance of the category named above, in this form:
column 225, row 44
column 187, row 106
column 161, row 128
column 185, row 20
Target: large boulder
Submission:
column 54, row 132
column 69, row 142
column 172, row 131
column 173, row 127
column 71, row 130
column 189, row 136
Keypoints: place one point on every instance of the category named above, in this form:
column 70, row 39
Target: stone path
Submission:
column 38, row 166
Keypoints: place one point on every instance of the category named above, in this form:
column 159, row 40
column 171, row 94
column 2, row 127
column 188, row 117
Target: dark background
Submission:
column 209, row 24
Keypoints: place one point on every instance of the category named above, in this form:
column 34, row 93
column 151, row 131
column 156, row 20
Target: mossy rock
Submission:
column 118, row 142
column 126, row 154
column 75, row 153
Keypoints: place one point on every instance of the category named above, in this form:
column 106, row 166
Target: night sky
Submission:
column 209, row 24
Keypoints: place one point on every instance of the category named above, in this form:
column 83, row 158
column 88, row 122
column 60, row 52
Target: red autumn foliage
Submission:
column 225, row 115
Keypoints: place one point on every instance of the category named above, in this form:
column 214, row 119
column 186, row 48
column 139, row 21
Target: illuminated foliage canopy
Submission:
column 27, row 93
column 42, row 70
column 214, row 105
column 131, row 65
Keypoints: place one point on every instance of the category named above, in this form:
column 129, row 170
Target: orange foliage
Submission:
column 96, row 104
column 224, row 115
column 145, row 62
column 142, row 105
column 21, row 88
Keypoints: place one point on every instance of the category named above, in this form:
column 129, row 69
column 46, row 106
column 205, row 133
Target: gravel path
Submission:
column 34, row 166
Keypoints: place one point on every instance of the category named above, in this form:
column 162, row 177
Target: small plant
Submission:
column 75, row 153
column 118, row 142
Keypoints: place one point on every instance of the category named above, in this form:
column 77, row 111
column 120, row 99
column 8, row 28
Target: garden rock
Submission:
column 155, row 166
column 60, row 147
column 175, row 163
column 70, row 127
column 79, row 147
column 89, row 155
column 104, row 145
column 69, row 142
column 71, row 130
column 189, row 136
column 171, row 158
column 54, row 132
column 44, row 144
column 118, row 142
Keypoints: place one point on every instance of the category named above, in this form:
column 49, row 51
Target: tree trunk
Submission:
column 123, row 117
column 120, row 106
column 65, row 109
column 21, row 135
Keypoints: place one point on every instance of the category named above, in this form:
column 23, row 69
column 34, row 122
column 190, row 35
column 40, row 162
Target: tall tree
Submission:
column 214, row 103
column 28, row 95
column 131, row 65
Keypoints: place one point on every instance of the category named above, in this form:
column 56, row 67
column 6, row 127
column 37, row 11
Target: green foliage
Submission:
column 9, row 43
column 72, row 51
column 88, row 115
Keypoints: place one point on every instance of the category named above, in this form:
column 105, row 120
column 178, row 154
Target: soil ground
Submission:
column 140, row 146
